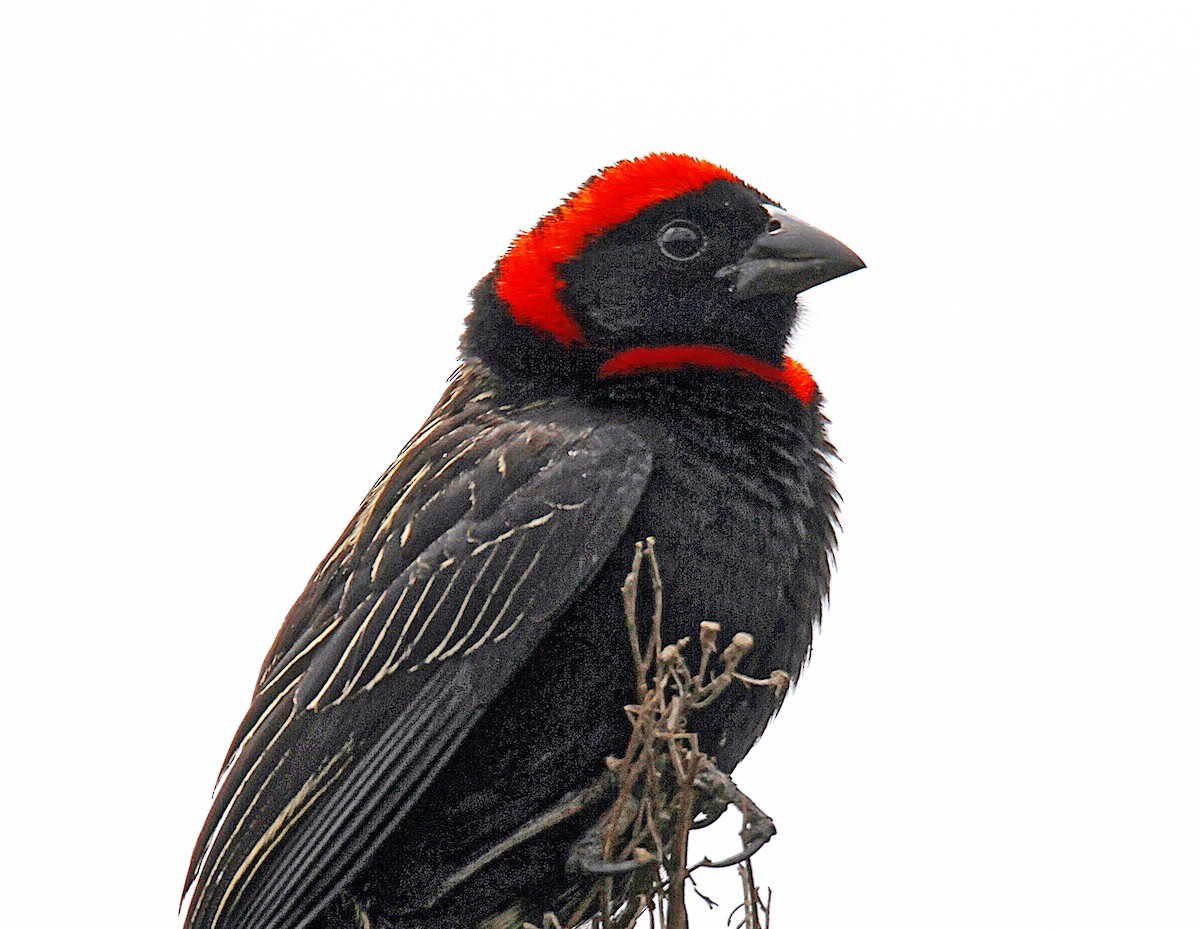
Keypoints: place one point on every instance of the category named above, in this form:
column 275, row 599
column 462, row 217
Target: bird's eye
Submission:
column 681, row 240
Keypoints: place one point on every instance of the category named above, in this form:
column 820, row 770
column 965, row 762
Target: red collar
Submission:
column 792, row 376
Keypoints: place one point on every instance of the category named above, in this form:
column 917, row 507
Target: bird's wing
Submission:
column 441, row 587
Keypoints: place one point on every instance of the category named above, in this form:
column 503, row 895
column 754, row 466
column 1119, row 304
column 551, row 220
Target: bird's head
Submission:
column 659, row 262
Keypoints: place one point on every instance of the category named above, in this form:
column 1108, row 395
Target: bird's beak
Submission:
column 789, row 258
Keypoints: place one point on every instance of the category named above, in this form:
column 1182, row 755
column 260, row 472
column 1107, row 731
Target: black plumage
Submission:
column 459, row 662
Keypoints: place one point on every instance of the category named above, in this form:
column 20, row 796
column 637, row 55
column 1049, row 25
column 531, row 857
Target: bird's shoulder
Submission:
column 479, row 447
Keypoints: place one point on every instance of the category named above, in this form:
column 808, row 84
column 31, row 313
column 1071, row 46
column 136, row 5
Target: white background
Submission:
column 235, row 245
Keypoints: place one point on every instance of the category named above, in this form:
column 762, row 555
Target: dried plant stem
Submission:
column 638, row 850
column 756, row 914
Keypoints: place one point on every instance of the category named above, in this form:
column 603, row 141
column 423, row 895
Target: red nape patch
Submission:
column 793, row 376
column 527, row 278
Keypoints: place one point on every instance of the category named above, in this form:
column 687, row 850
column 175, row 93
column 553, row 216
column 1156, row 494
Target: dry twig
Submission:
column 638, row 850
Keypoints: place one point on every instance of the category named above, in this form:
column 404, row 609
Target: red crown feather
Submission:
column 527, row 278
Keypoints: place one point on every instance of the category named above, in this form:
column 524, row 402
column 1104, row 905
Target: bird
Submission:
column 459, row 661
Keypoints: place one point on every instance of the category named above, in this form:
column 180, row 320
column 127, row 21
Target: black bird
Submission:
column 459, row 661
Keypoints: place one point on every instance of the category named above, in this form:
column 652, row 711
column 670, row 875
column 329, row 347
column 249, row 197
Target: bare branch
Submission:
column 665, row 787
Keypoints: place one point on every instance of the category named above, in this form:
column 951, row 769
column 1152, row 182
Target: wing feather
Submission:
column 485, row 527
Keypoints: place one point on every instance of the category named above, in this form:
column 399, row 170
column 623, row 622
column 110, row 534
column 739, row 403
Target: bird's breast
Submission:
column 743, row 529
